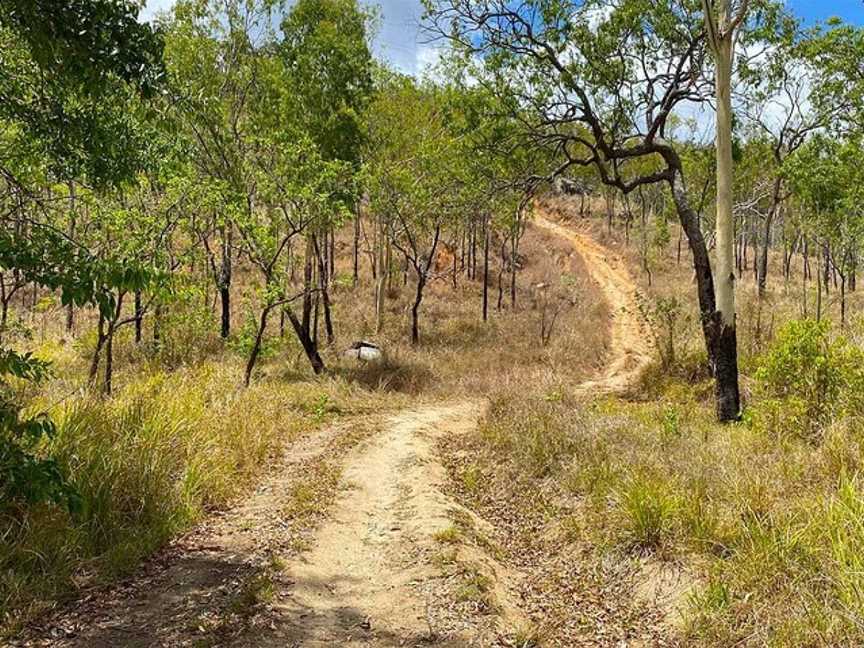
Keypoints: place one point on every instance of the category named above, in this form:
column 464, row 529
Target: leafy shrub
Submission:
column 25, row 477
column 815, row 378
column 188, row 331
column 668, row 323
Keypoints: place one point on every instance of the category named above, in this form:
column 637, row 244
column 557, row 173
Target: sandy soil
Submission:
column 364, row 575
column 629, row 347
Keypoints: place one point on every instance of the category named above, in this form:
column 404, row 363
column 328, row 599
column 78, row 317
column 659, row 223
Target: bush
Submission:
column 815, row 378
column 668, row 325
column 144, row 465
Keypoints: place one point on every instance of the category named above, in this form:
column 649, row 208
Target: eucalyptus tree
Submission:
column 784, row 102
column 212, row 54
column 722, row 33
column 328, row 64
column 619, row 70
column 416, row 175
column 825, row 176
column 63, row 65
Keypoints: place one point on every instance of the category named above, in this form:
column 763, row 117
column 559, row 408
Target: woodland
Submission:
column 557, row 342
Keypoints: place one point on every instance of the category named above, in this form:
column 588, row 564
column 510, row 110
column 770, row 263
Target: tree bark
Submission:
column 380, row 279
column 356, row 275
column 486, row 270
column 256, row 346
column 139, row 317
column 306, row 341
column 720, row 341
column 721, row 332
column 762, row 273
column 325, row 296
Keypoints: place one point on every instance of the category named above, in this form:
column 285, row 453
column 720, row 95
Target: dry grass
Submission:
column 766, row 517
column 179, row 437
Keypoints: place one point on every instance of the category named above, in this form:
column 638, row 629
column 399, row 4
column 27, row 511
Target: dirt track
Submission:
column 630, row 351
column 367, row 577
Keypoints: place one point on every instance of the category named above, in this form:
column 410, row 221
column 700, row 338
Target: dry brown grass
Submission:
column 763, row 520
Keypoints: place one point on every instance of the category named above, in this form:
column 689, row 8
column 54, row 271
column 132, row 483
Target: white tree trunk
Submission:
column 725, row 223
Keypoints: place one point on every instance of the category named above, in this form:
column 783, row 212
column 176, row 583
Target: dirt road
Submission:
column 629, row 342
column 364, row 573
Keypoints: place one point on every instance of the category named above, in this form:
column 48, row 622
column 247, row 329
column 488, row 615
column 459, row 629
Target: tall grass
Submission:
column 147, row 463
column 772, row 525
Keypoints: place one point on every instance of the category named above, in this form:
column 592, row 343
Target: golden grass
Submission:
column 769, row 520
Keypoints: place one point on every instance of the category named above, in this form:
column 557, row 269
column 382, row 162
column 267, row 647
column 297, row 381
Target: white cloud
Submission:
column 398, row 42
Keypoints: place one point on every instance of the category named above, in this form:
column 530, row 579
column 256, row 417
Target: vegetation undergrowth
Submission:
column 766, row 513
column 146, row 464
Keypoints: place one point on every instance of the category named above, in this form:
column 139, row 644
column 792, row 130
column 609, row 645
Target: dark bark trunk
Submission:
column 826, row 262
column 415, row 313
column 97, row 352
column 323, row 280
column 225, row 299
column 306, row 341
column 455, row 270
column 721, row 341
column 762, row 271
column 501, row 268
column 486, row 271
column 307, row 288
column 139, row 317
column 356, row 275
column 109, row 347
column 157, row 323
column 256, row 346
column 331, row 255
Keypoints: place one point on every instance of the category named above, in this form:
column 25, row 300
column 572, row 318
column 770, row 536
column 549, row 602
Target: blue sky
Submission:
column 398, row 40
column 815, row 10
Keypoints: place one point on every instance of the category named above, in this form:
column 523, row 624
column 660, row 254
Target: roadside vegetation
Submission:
column 755, row 527
column 203, row 218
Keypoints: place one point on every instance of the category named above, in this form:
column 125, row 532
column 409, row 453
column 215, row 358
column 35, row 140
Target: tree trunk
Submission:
column 486, row 270
column 356, row 275
column 721, row 323
column 325, row 296
column 223, row 283
column 307, row 286
column 380, row 279
column 139, row 317
column 415, row 310
column 70, row 308
column 720, row 341
column 826, row 262
column 306, row 341
column 513, row 248
column 97, row 352
column 256, row 346
column 762, row 272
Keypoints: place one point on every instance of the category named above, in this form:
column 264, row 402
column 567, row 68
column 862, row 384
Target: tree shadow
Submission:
column 207, row 599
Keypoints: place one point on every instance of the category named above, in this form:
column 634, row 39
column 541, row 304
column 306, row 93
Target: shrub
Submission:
column 668, row 323
column 145, row 465
column 817, row 378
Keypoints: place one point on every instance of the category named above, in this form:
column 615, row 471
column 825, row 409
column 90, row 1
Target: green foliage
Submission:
column 649, row 510
column 815, row 376
column 26, row 478
column 668, row 323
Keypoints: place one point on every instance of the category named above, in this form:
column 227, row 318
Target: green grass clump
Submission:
column 147, row 463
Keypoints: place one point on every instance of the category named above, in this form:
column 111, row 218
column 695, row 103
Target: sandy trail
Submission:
column 630, row 351
column 365, row 579
column 360, row 584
